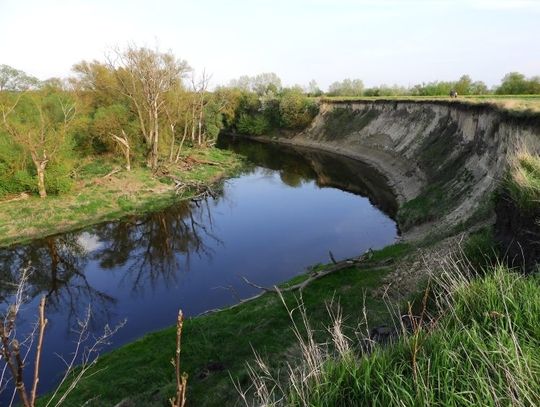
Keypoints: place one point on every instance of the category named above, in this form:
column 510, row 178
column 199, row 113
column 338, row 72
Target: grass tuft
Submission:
column 523, row 181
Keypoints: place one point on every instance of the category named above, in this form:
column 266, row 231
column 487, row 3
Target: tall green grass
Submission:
column 523, row 181
column 478, row 347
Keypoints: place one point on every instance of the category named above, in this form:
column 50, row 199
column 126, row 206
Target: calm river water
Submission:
column 278, row 217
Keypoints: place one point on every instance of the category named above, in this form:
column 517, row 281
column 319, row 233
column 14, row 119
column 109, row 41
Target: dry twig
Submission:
column 181, row 378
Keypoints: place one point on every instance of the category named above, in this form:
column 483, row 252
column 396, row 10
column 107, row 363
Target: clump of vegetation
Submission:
column 515, row 83
column 523, row 181
column 481, row 250
column 347, row 87
column 424, row 208
column 342, row 121
column 255, row 124
column 262, row 106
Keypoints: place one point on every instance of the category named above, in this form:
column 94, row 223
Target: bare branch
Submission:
column 42, row 324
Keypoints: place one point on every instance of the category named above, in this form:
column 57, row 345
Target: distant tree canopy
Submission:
column 347, row 87
column 12, row 79
column 515, row 83
column 463, row 86
column 261, row 105
column 260, row 84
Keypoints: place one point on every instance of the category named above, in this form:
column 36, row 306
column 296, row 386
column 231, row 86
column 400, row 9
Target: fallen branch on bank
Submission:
column 111, row 173
column 313, row 276
column 22, row 196
column 199, row 161
column 200, row 189
column 364, row 260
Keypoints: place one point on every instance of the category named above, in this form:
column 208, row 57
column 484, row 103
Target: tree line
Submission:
column 143, row 107
column 138, row 105
column 513, row 83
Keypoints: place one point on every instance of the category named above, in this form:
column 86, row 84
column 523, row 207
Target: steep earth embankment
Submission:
column 442, row 158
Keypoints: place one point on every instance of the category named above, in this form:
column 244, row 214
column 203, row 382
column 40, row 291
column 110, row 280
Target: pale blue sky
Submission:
column 385, row 41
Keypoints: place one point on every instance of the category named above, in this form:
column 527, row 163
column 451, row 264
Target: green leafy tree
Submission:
column 463, row 85
column 15, row 80
column 514, row 83
column 478, row 88
column 266, row 82
column 95, row 84
column 348, row 87
column 39, row 123
column 296, row 110
column 313, row 89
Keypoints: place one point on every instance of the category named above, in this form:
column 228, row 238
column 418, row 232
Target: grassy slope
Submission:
column 225, row 340
column 95, row 199
column 482, row 350
column 523, row 181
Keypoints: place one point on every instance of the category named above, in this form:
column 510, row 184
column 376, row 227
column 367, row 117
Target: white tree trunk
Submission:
column 40, row 168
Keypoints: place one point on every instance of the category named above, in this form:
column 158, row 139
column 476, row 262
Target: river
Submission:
column 279, row 216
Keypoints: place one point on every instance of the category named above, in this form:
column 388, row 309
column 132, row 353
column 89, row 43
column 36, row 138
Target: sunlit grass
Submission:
column 478, row 345
column 523, row 180
column 96, row 199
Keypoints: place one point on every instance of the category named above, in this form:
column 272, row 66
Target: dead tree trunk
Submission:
column 124, row 145
column 155, row 142
column 181, row 143
column 200, row 124
column 40, row 164
column 173, row 139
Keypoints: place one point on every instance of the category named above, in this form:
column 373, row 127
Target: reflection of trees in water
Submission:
column 154, row 249
column 157, row 247
column 293, row 168
column 57, row 264
column 297, row 165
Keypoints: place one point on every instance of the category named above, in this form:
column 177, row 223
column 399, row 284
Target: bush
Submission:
column 480, row 249
column 255, row 125
column 58, row 179
column 523, row 180
column 258, row 114
column 296, row 110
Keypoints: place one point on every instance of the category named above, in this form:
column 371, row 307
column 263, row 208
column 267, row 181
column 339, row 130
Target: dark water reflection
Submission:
column 268, row 224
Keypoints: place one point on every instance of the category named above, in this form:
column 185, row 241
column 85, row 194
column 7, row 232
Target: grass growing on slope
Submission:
column 479, row 348
column 523, row 181
column 216, row 347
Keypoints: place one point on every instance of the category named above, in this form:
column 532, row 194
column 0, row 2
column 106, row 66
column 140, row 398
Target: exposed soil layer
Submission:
column 442, row 159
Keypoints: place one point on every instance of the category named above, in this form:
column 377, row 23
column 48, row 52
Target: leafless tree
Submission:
column 145, row 76
column 199, row 88
column 176, row 108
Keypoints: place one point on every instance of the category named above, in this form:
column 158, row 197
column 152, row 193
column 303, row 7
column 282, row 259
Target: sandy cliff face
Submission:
column 442, row 158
